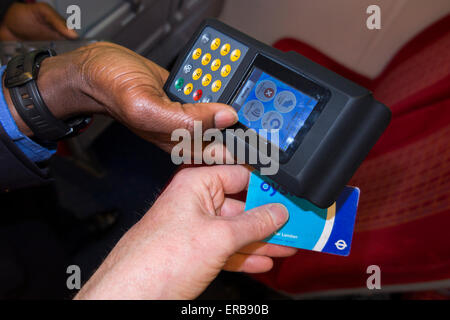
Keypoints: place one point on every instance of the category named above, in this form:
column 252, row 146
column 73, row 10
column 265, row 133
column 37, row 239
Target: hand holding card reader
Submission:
column 326, row 124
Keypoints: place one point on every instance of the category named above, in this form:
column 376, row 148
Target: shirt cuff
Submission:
column 34, row 151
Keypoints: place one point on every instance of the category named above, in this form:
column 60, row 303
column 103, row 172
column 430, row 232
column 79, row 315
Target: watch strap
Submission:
column 21, row 75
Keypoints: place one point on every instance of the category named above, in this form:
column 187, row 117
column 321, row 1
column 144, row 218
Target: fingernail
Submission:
column 225, row 118
column 279, row 214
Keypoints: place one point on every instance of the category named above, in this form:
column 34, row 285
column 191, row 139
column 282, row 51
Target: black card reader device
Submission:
column 326, row 124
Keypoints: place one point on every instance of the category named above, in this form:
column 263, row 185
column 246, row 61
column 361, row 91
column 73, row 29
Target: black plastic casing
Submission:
column 332, row 150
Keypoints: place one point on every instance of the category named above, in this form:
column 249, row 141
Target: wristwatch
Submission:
column 21, row 80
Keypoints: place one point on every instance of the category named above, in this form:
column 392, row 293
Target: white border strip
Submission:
column 419, row 286
column 327, row 229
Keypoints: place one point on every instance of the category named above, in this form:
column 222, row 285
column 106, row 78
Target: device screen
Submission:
column 265, row 102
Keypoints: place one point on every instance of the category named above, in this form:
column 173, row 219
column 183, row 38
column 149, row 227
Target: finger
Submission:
column 257, row 223
column 248, row 263
column 211, row 115
column 268, row 249
column 54, row 20
column 232, row 207
column 212, row 184
column 232, row 178
column 158, row 113
column 216, row 152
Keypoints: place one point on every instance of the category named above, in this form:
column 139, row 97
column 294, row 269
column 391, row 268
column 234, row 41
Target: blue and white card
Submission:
column 309, row 227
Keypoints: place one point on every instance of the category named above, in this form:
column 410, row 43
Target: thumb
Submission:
column 258, row 223
column 167, row 115
column 212, row 115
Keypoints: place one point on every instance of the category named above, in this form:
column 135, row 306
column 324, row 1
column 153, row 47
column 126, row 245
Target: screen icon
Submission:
column 285, row 101
column 272, row 120
column 253, row 110
column 265, row 90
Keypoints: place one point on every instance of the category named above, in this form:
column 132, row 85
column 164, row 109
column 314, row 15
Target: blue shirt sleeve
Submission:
column 34, row 151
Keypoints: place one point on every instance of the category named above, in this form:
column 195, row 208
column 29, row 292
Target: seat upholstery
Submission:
column 404, row 209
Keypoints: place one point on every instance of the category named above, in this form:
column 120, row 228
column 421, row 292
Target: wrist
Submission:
column 57, row 88
column 60, row 84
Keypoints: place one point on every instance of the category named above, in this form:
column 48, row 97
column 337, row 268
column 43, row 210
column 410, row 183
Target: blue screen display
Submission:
column 265, row 102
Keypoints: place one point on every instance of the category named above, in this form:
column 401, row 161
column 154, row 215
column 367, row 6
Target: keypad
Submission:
column 206, row 80
column 216, row 86
column 206, row 59
column 215, row 65
column 226, row 69
column 235, row 55
column 208, row 67
column 225, row 49
column 197, row 53
column 197, row 74
column 197, row 95
column 188, row 88
column 215, row 44
column 179, row 83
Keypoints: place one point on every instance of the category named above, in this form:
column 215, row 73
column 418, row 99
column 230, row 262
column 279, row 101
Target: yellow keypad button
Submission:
column 188, row 88
column 235, row 55
column 215, row 44
column 206, row 59
column 225, row 49
column 226, row 69
column 216, row 85
column 206, row 80
column 197, row 53
column 197, row 74
column 215, row 65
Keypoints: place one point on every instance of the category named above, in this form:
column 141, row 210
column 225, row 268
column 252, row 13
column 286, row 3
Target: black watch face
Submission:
column 273, row 97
